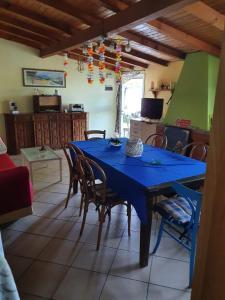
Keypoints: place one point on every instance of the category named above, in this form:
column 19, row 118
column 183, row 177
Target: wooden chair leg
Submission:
column 84, row 217
column 81, row 204
column 129, row 217
column 101, row 221
column 68, row 194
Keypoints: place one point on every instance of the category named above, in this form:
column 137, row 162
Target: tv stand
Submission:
column 142, row 128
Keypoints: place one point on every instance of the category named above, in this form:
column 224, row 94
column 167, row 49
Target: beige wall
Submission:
column 158, row 74
column 100, row 104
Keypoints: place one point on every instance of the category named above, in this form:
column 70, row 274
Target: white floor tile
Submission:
column 42, row 279
column 126, row 264
column 27, row 245
column 117, row 288
column 169, row 273
column 90, row 259
column 157, row 292
column 60, row 251
column 169, row 248
column 80, row 284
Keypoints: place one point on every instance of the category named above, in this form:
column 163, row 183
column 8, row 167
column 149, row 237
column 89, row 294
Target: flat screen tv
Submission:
column 151, row 108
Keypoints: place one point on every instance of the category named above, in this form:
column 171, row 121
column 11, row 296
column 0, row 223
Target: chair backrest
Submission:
column 194, row 199
column 89, row 171
column 69, row 161
column 94, row 134
column 72, row 158
column 177, row 138
column 196, row 150
column 157, row 140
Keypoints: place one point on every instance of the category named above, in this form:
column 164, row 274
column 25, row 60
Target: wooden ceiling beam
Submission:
column 147, row 57
column 30, row 27
column 184, row 37
column 24, row 41
column 110, row 6
column 75, row 56
column 138, row 13
column 31, row 15
column 71, row 11
column 143, row 56
column 148, row 42
column 23, row 34
column 109, row 61
column 129, row 61
column 207, row 14
column 114, row 5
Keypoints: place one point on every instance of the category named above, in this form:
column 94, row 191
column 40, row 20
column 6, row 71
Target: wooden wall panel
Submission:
column 209, row 282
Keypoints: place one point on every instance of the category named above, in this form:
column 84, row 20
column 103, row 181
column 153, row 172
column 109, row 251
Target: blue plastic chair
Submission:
column 181, row 214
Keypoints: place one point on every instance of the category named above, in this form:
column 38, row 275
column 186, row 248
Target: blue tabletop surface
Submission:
column 130, row 176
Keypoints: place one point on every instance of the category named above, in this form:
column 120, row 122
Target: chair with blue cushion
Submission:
column 177, row 138
column 180, row 219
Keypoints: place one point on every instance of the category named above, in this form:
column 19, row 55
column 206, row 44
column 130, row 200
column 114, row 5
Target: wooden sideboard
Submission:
column 142, row 129
column 37, row 129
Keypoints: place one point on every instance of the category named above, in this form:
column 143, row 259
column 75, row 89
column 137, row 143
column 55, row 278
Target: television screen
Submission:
column 151, row 108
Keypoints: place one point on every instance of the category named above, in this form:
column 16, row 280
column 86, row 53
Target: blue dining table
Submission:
column 139, row 179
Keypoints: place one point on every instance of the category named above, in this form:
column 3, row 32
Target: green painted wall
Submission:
column 212, row 81
column 194, row 95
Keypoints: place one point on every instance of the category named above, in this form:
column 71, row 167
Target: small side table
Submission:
column 34, row 155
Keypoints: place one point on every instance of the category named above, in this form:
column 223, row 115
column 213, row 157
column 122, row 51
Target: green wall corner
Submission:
column 194, row 95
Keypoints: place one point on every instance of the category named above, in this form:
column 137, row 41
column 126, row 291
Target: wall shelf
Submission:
column 157, row 91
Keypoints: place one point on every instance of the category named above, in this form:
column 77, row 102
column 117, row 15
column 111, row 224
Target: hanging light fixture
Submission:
column 118, row 62
column 96, row 48
column 65, row 63
column 112, row 47
column 101, row 65
column 128, row 47
column 84, row 50
column 90, row 64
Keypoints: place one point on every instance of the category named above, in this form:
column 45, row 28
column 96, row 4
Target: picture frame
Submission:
column 43, row 78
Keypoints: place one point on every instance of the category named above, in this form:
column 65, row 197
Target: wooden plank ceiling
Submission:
column 158, row 31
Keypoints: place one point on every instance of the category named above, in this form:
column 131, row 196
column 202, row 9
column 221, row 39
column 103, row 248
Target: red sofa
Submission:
column 15, row 191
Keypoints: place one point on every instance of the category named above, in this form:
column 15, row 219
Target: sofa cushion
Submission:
column 6, row 162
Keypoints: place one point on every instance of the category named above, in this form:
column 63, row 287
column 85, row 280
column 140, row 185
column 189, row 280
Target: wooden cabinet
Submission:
column 78, row 127
column 52, row 129
column 65, row 129
column 41, row 129
column 56, row 129
column 19, row 132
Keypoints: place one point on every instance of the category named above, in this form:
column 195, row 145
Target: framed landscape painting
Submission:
column 44, row 78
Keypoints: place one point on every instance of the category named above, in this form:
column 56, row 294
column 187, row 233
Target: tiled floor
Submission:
column 49, row 262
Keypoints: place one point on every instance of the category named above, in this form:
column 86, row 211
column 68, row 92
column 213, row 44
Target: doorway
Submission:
column 132, row 93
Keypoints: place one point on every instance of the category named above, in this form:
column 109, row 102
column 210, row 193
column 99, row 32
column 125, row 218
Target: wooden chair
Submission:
column 94, row 134
column 103, row 198
column 196, row 150
column 157, row 140
column 180, row 220
column 72, row 163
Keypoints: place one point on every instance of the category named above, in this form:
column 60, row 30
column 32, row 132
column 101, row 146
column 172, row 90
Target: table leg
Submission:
column 145, row 234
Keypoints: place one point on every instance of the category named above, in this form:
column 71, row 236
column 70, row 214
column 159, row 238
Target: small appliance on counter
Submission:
column 13, row 107
column 47, row 103
column 76, row 107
